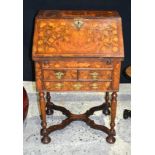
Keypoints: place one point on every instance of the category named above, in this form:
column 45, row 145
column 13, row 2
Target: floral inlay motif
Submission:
column 60, row 35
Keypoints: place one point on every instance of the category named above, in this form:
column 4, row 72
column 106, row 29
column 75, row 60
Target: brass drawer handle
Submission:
column 94, row 75
column 59, row 75
column 78, row 23
column 77, row 86
column 94, row 85
column 59, row 85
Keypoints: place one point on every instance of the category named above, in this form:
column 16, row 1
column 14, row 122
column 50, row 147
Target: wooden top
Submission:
column 77, row 34
column 49, row 14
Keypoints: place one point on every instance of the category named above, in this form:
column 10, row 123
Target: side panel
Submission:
column 116, row 75
column 38, row 76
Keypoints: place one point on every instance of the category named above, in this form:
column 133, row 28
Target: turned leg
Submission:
column 46, row 139
column 49, row 110
column 106, row 105
column 111, row 139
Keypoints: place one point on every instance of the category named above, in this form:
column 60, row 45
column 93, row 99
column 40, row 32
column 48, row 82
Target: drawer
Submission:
column 95, row 75
column 77, row 86
column 58, row 75
column 80, row 63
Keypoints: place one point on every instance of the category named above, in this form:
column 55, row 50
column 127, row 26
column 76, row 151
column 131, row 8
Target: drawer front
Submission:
column 58, row 75
column 77, row 86
column 95, row 75
column 81, row 63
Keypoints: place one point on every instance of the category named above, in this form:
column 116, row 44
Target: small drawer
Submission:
column 95, row 75
column 58, row 75
column 77, row 86
column 80, row 63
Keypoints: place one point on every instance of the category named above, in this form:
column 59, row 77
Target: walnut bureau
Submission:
column 77, row 51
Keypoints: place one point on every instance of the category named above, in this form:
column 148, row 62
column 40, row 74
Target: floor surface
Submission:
column 77, row 138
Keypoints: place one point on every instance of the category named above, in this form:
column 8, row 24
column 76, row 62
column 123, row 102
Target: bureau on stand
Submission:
column 77, row 51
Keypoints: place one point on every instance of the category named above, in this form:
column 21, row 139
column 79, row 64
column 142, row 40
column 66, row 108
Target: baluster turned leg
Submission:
column 106, row 105
column 49, row 110
column 111, row 138
column 46, row 139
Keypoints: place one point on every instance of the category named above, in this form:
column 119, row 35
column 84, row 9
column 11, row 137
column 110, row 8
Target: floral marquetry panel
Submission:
column 78, row 36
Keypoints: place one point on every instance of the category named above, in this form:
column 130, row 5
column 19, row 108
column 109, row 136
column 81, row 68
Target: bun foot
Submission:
column 46, row 140
column 111, row 139
column 126, row 113
column 49, row 111
column 106, row 110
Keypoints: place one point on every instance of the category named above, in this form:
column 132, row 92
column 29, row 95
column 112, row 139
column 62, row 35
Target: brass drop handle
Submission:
column 94, row 75
column 59, row 75
column 59, row 85
column 94, row 85
column 77, row 86
column 78, row 23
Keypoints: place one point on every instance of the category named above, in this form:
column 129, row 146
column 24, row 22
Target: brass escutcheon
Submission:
column 78, row 23
column 77, row 86
column 59, row 75
column 59, row 85
column 94, row 75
